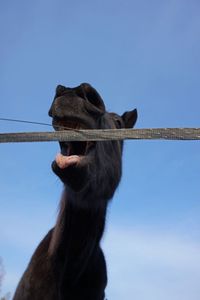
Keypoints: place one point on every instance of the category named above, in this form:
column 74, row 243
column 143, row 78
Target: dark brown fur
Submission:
column 69, row 263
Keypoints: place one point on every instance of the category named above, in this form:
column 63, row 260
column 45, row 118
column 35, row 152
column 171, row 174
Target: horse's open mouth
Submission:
column 71, row 153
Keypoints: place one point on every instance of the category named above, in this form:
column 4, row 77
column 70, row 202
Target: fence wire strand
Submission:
column 103, row 134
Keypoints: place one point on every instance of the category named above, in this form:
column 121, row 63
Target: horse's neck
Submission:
column 79, row 226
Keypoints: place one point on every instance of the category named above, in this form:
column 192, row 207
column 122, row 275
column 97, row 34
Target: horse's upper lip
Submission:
column 67, row 124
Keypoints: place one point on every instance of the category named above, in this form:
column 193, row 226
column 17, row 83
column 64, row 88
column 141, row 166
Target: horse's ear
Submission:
column 130, row 118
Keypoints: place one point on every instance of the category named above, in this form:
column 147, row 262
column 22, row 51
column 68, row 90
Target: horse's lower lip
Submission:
column 72, row 153
column 64, row 162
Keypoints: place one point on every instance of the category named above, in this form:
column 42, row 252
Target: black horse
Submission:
column 69, row 263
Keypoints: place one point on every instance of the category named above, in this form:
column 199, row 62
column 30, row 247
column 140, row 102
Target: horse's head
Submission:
column 83, row 108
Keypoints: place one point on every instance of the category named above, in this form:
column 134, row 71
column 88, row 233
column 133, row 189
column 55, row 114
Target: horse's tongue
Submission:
column 66, row 161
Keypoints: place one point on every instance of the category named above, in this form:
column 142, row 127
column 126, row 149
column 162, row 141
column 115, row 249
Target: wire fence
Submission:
column 103, row 134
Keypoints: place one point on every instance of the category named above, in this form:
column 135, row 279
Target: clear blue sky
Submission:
column 142, row 54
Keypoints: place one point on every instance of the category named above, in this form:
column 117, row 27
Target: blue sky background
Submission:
column 142, row 54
